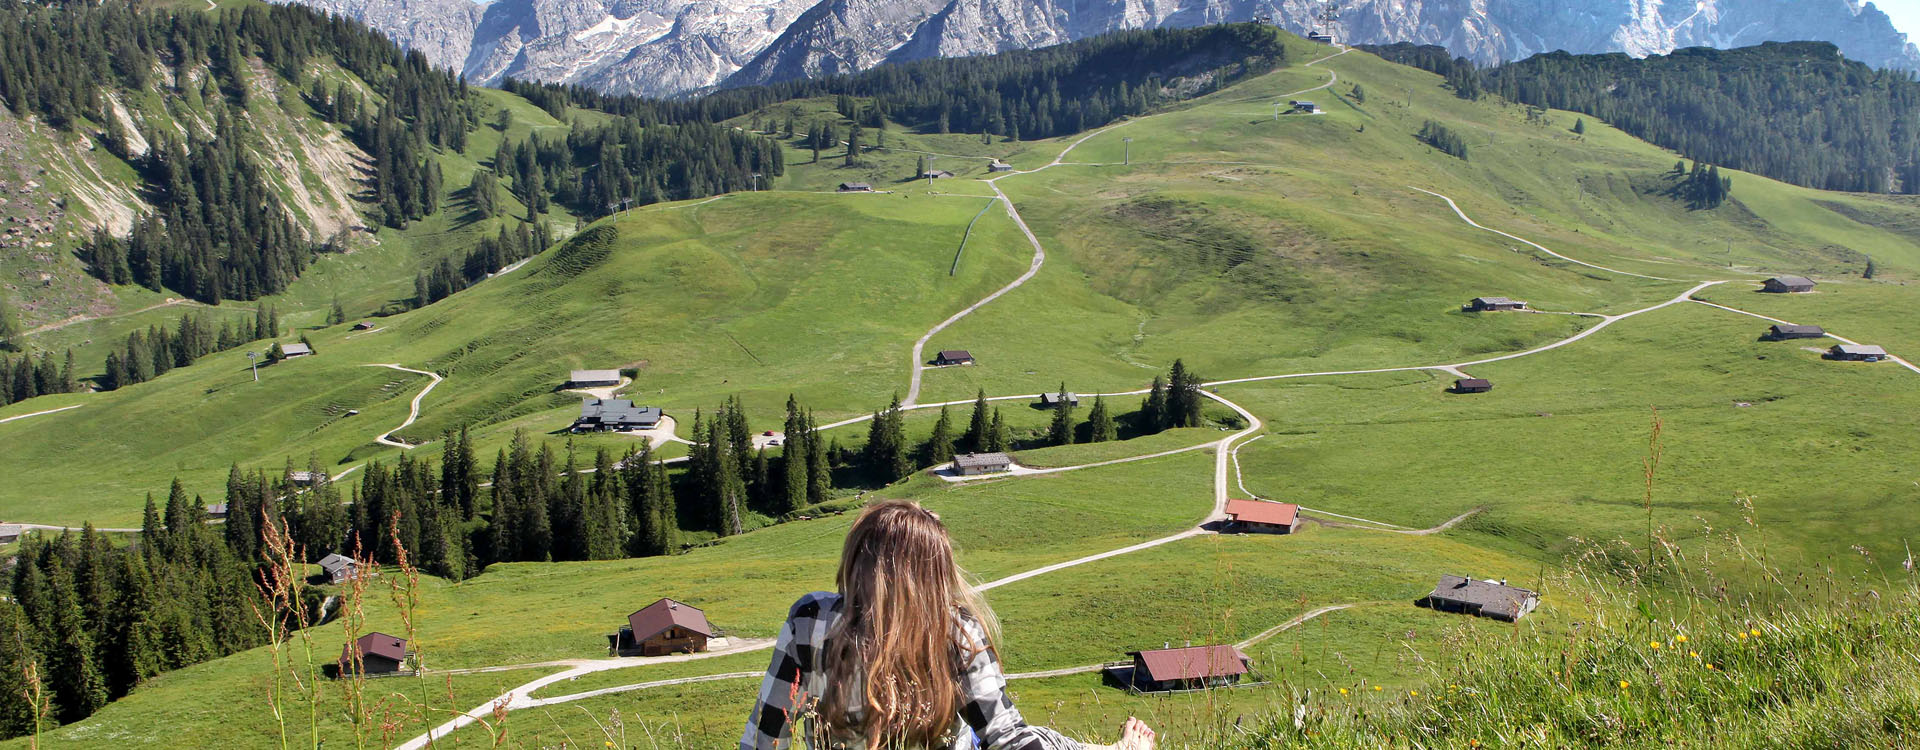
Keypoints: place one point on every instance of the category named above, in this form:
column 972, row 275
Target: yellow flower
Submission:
column 1654, row 645
column 1413, row 693
column 1743, row 636
column 1710, row 665
column 1680, row 638
column 1343, row 691
column 1756, row 632
column 1624, row 684
column 1473, row 743
column 609, row 743
column 1377, row 688
column 1694, row 654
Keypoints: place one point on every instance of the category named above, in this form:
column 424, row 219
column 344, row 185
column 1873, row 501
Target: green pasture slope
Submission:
column 1245, row 245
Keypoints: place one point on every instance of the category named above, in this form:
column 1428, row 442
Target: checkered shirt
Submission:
column 797, row 669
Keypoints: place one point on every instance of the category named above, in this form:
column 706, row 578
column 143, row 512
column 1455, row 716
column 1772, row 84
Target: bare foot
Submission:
column 1135, row 735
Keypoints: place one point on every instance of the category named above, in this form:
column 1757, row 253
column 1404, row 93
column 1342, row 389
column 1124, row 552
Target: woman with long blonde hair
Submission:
column 902, row 651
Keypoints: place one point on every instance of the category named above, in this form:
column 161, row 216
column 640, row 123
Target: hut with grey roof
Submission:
column 1788, row 285
column 1785, row 331
column 590, row 378
column 1493, row 304
column 1856, row 353
column 615, row 415
column 975, row 464
column 1493, row 599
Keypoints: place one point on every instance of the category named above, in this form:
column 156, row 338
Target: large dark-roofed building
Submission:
column 1472, row 385
column 1188, row 668
column 1493, row 599
column 339, row 568
column 663, row 627
column 1053, row 399
column 615, row 415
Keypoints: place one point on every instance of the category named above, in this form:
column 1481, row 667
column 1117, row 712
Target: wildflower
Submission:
column 609, row 743
column 1343, row 691
column 1709, row 665
column 1413, row 693
column 1654, row 645
column 1377, row 688
column 1694, row 654
column 1624, row 684
column 1680, row 638
column 1473, row 743
column 1743, row 635
column 1756, row 632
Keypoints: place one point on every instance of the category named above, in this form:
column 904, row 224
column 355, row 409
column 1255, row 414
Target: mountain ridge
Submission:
column 670, row 47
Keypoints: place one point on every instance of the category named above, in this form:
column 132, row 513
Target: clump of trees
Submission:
column 1702, row 187
column 1447, row 140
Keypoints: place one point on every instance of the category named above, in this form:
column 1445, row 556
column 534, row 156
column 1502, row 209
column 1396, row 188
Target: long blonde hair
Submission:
column 899, row 638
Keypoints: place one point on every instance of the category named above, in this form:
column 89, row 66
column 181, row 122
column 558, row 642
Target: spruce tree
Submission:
column 1061, row 431
column 1580, row 126
column 998, row 437
column 336, row 315
column 729, row 489
column 793, row 458
column 939, row 446
column 1871, row 269
column 1100, row 423
column 1153, row 410
column 819, row 470
column 8, row 328
column 920, row 168
column 978, row 427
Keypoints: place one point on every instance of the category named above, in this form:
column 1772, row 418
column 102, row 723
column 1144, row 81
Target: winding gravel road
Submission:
column 413, row 409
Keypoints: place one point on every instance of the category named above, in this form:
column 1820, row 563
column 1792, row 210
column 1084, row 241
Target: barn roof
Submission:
column 1793, row 280
column 1497, row 301
column 955, row 354
column 337, row 562
column 974, row 460
column 1861, row 350
column 1794, row 328
column 294, row 349
column 1494, row 598
column 1192, row 662
column 1473, row 383
column 1054, row 398
column 377, row 644
column 655, row 618
column 1255, row 511
column 618, row 411
column 593, row 376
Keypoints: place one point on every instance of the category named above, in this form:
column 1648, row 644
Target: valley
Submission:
column 1311, row 269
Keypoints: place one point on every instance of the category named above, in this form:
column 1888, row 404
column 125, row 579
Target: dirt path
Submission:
column 1450, row 523
column 413, row 409
column 1542, row 248
column 38, row 413
column 1039, row 259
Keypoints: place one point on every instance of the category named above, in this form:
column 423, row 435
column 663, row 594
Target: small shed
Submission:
column 591, row 378
column 855, row 187
column 1263, row 517
column 661, row 628
column 935, row 174
column 1493, row 599
column 615, row 415
column 305, row 478
column 216, row 510
column 1303, row 107
column 1321, row 37
column 379, row 654
column 953, row 357
column 10, row 533
column 1856, row 353
column 1788, row 285
column 1472, row 385
column 363, row 326
column 339, row 568
column 975, row 464
column 1054, row 399
column 1786, row 331
column 1493, row 304
column 1187, row 668
column 999, row 166
column 289, row 351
